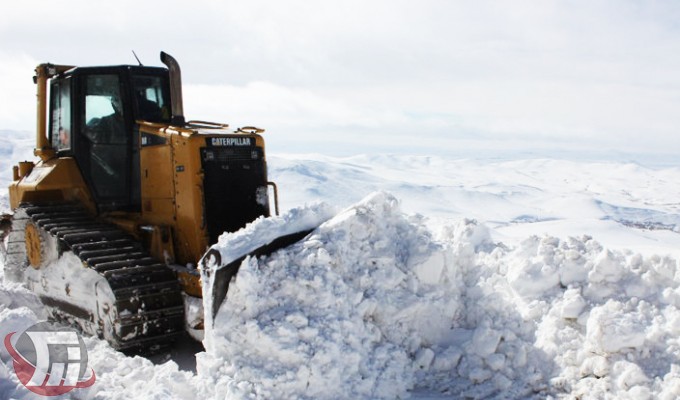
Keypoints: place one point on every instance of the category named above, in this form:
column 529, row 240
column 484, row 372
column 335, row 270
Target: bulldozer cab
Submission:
column 92, row 117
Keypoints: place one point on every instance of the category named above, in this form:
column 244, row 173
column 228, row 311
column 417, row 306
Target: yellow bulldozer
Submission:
column 109, row 224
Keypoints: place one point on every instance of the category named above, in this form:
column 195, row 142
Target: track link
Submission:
column 148, row 310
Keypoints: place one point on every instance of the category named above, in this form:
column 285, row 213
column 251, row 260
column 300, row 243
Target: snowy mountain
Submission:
column 434, row 278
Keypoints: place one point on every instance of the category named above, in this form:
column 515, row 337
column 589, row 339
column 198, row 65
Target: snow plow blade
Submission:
column 263, row 237
column 227, row 270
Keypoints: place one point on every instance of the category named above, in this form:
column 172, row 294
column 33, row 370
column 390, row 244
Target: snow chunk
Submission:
column 485, row 341
column 573, row 304
column 537, row 274
column 611, row 329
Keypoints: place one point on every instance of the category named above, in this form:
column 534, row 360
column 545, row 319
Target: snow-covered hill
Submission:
column 440, row 278
column 625, row 205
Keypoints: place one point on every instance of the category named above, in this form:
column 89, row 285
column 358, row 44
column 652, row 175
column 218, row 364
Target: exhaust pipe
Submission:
column 175, row 89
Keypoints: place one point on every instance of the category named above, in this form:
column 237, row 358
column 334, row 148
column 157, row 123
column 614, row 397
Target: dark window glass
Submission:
column 150, row 98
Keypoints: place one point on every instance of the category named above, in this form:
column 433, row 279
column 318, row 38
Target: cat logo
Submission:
column 231, row 141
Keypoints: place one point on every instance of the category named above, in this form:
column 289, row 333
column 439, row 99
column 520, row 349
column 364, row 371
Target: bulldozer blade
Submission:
column 225, row 270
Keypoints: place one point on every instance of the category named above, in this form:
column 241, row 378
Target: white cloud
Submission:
column 17, row 96
column 280, row 107
column 603, row 71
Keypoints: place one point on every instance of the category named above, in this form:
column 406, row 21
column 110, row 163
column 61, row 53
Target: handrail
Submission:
column 250, row 129
column 206, row 124
column 276, row 196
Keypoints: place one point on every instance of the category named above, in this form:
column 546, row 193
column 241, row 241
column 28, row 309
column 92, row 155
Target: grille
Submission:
column 229, row 154
column 232, row 178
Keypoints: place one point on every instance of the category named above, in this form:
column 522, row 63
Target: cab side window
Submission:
column 150, row 99
column 60, row 107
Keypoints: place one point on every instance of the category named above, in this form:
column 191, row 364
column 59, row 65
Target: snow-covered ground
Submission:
column 436, row 278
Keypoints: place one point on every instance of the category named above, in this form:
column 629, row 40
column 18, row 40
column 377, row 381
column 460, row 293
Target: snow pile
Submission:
column 338, row 315
column 368, row 306
column 568, row 317
column 374, row 305
column 611, row 321
column 261, row 232
column 371, row 305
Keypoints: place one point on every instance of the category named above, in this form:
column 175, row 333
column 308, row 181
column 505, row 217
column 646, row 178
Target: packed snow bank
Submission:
column 341, row 314
column 118, row 376
column 371, row 305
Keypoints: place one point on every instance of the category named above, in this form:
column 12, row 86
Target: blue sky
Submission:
column 393, row 76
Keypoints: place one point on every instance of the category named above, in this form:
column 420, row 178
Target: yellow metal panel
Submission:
column 192, row 236
column 156, row 170
column 159, row 211
column 172, row 191
column 57, row 179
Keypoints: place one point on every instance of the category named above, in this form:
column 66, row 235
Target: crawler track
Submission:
column 135, row 301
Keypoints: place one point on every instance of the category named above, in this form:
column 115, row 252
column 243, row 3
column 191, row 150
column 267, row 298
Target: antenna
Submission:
column 137, row 58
